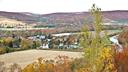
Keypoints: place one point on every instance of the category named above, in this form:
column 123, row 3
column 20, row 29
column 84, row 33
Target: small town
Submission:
column 63, row 36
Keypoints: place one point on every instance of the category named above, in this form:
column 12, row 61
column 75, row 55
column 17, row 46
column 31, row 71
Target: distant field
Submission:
column 22, row 29
column 24, row 58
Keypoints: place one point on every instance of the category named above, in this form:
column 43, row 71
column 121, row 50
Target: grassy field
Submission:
column 24, row 58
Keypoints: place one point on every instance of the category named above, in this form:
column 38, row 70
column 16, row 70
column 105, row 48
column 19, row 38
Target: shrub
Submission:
column 2, row 68
column 2, row 50
column 15, row 68
column 121, row 59
column 11, row 68
column 123, row 39
column 62, row 64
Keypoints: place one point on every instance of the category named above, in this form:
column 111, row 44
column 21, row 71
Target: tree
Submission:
column 36, row 43
column 26, row 44
column 8, row 41
column 98, row 56
column 1, row 42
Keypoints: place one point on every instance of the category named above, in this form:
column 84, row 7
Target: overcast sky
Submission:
column 52, row 6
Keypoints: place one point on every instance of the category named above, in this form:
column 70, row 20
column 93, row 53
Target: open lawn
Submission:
column 26, row 57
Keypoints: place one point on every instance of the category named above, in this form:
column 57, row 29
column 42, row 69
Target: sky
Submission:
column 52, row 6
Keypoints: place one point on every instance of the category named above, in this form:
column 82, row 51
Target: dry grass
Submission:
column 26, row 57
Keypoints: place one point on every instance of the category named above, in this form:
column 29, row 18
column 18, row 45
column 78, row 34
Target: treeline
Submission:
column 9, row 44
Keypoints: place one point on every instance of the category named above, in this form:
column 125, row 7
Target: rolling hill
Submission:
column 74, row 17
column 67, row 20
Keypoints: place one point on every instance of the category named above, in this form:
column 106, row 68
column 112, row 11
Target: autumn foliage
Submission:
column 60, row 64
column 121, row 58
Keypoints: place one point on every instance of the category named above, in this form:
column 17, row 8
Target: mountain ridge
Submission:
column 64, row 17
